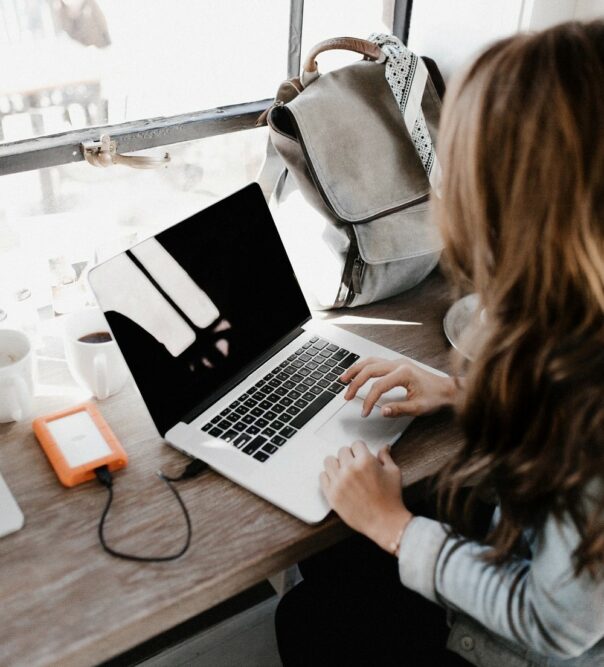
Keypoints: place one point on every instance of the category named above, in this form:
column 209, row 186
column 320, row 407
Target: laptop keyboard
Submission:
column 271, row 412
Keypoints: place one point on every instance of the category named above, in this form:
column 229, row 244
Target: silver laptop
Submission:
column 233, row 369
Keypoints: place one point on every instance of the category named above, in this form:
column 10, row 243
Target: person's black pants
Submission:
column 351, row 609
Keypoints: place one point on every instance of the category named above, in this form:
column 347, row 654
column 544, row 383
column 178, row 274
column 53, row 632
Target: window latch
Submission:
column 103, row 153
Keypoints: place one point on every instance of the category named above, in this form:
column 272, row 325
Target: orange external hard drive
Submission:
column 77, row 441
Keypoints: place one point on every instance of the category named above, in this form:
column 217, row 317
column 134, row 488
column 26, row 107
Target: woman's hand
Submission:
column 367, row 493
column 426, row 392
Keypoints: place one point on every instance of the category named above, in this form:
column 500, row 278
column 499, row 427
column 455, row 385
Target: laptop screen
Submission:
column 193, row 306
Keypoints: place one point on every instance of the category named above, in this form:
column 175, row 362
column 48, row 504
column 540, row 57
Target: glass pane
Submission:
column 343, row 18
column 76, row 63
column 55, row 223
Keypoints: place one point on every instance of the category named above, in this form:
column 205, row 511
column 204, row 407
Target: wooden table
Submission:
column 64, row 601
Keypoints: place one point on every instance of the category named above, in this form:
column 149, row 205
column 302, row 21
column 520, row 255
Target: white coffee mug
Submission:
column 16, row 376
column 99, row 367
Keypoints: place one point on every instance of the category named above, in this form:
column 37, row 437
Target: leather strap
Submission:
column 369, row 50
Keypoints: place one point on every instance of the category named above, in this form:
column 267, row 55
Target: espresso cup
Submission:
column 93, row 357
column 16, row 376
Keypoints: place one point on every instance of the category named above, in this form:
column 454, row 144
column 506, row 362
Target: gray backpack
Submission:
column 354, row 217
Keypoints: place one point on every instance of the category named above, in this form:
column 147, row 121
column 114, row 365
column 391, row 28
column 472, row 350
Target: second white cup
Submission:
column 93, row 357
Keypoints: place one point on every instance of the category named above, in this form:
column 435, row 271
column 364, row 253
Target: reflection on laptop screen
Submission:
column 190, row 307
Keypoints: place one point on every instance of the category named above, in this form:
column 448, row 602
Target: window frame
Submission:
column 131, row 136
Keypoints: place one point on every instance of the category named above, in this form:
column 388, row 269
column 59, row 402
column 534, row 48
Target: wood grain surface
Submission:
column 66, row 602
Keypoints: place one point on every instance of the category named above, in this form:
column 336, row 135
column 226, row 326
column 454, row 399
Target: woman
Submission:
column 522, row 216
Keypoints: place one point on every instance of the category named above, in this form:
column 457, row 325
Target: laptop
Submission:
column 232, row 367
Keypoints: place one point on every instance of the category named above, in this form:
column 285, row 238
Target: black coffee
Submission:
column 96, row 337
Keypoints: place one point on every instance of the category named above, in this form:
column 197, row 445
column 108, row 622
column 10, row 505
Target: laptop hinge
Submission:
column 246, row 370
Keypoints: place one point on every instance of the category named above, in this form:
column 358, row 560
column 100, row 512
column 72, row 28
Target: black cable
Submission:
column 105, row 478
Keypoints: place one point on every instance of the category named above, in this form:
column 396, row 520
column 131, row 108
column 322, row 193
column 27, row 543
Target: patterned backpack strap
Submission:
column 407, row 75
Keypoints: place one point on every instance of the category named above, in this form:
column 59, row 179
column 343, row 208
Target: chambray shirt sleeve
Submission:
column 538, row 604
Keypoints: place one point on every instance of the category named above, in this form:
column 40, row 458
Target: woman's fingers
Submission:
column 331, row 465
column 403, row 408
column 355, row 368
column 377, row 369
column 385, row 458
column 324, row 482
column 360, row 450
column 400, row 377
column 345, row 456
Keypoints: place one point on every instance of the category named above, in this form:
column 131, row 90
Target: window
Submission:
column 189, row 77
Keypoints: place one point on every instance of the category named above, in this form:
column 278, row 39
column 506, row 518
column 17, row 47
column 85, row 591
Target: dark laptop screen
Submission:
column 191, row 307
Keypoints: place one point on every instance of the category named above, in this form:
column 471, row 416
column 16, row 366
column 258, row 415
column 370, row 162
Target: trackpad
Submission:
column 347, row 425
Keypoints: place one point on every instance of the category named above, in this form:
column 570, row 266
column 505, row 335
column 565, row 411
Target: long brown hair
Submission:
column 522, row 215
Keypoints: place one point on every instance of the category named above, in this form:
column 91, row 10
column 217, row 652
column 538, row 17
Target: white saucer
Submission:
column 457, row 320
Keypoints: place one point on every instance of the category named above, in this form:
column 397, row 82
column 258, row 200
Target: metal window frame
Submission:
column 65, row 147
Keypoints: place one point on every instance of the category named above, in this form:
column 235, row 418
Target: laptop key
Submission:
column 296, row 378
column 241, row 410
column 254, row 444
column 340, row 354
column 269, row 432
column 250, row 403
column 289, row 384
column 257, row 412
column 332, row 377
column 243, row 439
column 224, row 424
column 271, row 449
column 300, row 403
column 261, row 423
column 324, row 368
column 277, row 424
column 248, row 419
column 331, row 362
column 336, row 387
column 278, row 408
column 287, row 432
column 206, row 427
column 309, row 412
column 265, row 405
column 273, row 398
column 323, row 383
column 295, row 393
column 215, row 419
column 261, row 456
column 286, row 401
column 308, row 396
column 316, row 375
column 305, row 357
column 308, row 381
column 233, row 405
column 283, row 376
column 270, row 415
column 332, row 348
column 285, row 417
column 231, row 435
column 240, row 426
column 216, row 432
column 320, row 344
column 306, row 345
column 349, row 360
column 275, row 383
column 297, row 364
column 312, row 351
column 280, row 391
column 253, row 430
column 312, row 365
column 278, row 440
column 316, row 390
column 314, row 339
column 293, row 410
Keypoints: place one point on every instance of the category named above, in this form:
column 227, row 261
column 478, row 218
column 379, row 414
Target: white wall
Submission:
column 454, row 31
column 589, row 9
